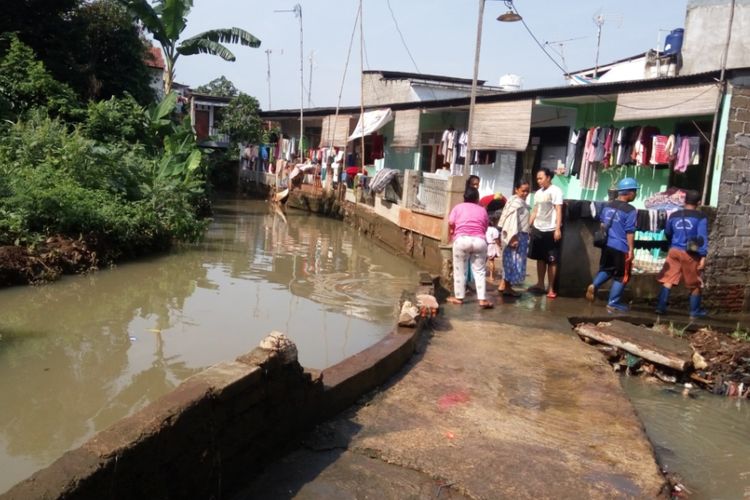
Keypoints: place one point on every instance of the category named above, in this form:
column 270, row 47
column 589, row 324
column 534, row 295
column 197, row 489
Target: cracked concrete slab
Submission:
column 495, row 410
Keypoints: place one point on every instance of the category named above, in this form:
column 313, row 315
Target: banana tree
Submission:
column 167, row 19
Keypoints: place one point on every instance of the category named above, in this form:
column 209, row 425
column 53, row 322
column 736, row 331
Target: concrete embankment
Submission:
column 219, row 427
column 498, row 404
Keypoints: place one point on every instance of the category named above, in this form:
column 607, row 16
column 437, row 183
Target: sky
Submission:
column 440, row 34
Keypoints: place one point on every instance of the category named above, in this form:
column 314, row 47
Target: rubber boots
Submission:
column 663, row 300
column 599, row 280
column 615, row 294
column 696, row 311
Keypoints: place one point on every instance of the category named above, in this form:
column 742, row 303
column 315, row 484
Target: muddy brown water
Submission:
column 705, row 439
column 79, row 354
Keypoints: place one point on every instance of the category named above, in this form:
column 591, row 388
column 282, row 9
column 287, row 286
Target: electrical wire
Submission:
column 332, row 130
column 403, row 42
column 401, row 35
column 537, row 41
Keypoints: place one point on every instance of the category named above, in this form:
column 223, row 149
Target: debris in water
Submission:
column 154, row 330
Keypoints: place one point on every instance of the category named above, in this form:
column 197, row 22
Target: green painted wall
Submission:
column 721, row 140
column 652, row 180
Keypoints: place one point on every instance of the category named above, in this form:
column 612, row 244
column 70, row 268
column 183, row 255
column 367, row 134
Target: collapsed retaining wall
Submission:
column 218, row 428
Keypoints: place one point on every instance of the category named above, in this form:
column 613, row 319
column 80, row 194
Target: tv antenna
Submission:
column 560, row 51
column 268, row 71
column 599, row 19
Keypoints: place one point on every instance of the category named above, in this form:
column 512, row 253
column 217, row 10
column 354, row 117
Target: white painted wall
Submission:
column 706, row 25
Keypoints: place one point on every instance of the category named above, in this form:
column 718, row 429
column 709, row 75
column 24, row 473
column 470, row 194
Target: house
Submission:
column 388, row 87
column 205, row 115
column 155, row 63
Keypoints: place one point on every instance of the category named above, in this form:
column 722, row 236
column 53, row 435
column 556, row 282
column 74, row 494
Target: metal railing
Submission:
column 217, row 136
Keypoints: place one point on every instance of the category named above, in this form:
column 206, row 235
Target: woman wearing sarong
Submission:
column 514, row 235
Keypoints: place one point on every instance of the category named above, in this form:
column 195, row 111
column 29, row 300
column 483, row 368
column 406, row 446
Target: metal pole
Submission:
column 298, row 9
column 268, row 75
column 309, row 86
column 362, row 84
column 599, row 22
column 473, row 98
column 722, row 91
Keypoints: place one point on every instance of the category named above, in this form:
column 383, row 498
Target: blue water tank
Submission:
column 673, row 42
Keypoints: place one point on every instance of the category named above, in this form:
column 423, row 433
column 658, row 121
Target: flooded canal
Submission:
column 705, row 439
column 79, row 354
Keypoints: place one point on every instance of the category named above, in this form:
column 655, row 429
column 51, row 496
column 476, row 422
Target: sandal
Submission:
column 536, row 289
column 551, row 294
column 486, row 305
column 454, row 300
column 511, row 293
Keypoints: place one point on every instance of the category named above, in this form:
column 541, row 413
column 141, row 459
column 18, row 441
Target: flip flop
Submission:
column 536, row 289
column 511, row 293
column 454, row 300
column 486, row 305
column 551, row 295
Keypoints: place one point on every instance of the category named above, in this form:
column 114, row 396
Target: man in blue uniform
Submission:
column 619, row 217
column 688, row 232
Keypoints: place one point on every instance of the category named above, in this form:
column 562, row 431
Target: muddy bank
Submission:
column 47, row 261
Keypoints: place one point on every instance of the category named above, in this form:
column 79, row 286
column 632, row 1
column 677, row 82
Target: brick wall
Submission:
column 728, row 263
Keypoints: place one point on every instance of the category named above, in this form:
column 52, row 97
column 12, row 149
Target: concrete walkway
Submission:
column 513, row 407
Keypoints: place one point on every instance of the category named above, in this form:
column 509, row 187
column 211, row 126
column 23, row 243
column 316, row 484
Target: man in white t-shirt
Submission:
column 546, row 232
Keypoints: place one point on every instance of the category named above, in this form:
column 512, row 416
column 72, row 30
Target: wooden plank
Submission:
column 642, row 342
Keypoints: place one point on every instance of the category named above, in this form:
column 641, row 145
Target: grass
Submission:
column 741, row 334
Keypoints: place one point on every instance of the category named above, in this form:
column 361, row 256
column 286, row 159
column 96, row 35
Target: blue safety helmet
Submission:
column 627, row 184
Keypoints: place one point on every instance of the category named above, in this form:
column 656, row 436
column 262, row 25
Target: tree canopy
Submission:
column 221, row 87
column 241, row 120
column 94, row 46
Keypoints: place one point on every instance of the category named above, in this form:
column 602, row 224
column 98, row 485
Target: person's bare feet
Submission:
column 486, row 304
column 454, row 300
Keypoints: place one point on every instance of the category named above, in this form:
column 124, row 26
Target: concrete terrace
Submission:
column 504, row 403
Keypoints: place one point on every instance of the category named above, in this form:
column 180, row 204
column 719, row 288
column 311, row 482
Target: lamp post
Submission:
column 509, row 17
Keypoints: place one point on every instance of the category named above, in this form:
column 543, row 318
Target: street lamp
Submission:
column 509, row 17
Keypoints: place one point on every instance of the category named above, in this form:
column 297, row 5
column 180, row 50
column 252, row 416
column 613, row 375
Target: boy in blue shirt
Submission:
column 619, row 216
column 687, row 230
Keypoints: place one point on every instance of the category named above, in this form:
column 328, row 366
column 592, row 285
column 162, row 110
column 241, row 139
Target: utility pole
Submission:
column 268, row 75
column 309, row 85
column 473, row 97
column 297, row 9
column 599, row 22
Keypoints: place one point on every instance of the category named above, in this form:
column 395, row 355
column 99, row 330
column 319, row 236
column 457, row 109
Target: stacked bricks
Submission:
column 728, row 263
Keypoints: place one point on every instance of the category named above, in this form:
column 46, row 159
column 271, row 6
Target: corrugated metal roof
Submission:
column 539, row 93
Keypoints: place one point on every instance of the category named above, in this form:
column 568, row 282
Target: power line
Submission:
column 401, row 35
column 539, row 43
column 403, row 42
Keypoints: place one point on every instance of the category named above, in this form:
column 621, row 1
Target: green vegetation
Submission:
column 740, row 333
column 166, row 20
column 221, row 87
column 93, row 46
column 125, row 177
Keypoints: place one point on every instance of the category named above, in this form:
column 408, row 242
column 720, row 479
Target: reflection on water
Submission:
column 79, row 354
column 706, row 440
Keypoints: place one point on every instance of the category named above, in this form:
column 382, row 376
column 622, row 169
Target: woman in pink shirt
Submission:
column 467, row 225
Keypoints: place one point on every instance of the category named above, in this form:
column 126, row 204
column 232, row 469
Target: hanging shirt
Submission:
column 621, row 218
column 659, row 151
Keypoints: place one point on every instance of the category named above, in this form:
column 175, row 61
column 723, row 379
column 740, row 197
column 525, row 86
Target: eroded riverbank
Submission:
column 81, row 353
